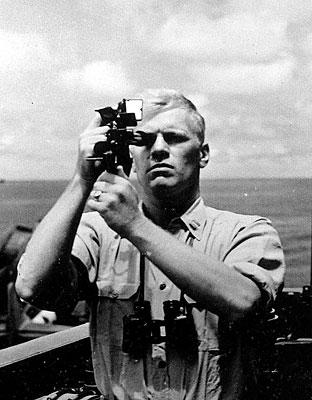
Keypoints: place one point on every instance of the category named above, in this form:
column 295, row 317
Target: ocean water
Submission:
column 287, row 202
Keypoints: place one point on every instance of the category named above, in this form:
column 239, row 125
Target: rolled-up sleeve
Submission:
column 86, row 246
column 256, row 252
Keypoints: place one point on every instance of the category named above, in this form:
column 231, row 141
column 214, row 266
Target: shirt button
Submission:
column 162, row 286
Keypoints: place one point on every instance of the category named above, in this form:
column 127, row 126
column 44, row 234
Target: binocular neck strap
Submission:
column 182, row 299
column 142, row 278
column 189, row 242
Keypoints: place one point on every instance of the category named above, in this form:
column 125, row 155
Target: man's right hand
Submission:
column 88, row 170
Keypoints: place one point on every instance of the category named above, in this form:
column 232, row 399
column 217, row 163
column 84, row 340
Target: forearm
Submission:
column 45, row 269
column 209, row 282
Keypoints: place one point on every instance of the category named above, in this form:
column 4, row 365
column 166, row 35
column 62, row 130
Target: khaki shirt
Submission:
column 247, row 243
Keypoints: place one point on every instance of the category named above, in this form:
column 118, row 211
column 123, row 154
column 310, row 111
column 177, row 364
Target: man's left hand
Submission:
column 116, row 200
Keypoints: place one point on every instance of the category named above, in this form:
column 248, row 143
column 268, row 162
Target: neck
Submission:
column 163, row 210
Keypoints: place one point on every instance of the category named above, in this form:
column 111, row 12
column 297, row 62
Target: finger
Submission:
column 101, row 186
column 95, row 122
column 92, row 139
column 87, row 145
column 99, row 130
column 110, row 178
column 113, row 178
column 102, row 177
column 94, row 205
column 121, row 172
column 96, row 194
column 101, row 202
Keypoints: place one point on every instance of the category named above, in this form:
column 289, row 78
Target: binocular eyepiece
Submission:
column 140, row 331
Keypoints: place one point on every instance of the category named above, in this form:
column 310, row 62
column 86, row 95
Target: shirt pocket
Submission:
column 119, row 273
column 117, row 291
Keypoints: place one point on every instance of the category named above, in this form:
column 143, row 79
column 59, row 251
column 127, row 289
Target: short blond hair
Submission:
column 158, row 100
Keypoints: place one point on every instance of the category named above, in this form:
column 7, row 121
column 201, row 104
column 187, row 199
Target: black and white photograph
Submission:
column 155, row 200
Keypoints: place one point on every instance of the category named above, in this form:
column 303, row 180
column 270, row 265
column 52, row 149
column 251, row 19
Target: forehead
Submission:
column 176, row 118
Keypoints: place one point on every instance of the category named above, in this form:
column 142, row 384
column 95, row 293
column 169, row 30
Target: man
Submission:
column 228, row 267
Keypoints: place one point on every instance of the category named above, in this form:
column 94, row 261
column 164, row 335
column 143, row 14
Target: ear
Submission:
column 204, row 155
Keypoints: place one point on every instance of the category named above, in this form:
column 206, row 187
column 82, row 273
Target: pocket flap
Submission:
column 120, row 291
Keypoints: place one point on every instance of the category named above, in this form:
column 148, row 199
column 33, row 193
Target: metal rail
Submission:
column 44, row 344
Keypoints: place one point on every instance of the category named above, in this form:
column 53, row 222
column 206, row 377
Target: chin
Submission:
column 164, row 187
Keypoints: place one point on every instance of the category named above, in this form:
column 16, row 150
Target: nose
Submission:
column 160, row 149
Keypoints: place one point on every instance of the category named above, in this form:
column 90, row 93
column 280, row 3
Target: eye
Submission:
column 175, row 137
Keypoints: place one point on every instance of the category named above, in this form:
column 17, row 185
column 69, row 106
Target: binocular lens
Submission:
column 140, row 331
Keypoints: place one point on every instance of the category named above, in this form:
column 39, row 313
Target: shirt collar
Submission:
column 194, row 219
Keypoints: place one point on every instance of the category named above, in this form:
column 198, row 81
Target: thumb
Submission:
column 103, row 176
column 108, row 176
column 121, row 172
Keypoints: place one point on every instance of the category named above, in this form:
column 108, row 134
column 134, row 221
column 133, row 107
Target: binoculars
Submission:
column 294, row 309
column 140, row 331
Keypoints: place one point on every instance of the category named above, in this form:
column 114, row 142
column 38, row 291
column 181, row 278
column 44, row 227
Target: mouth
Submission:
column 160, row 167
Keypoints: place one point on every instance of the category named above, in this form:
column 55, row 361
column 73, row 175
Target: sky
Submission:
column 246, row 64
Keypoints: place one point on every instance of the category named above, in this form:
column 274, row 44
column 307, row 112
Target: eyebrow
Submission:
column 162, row 131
